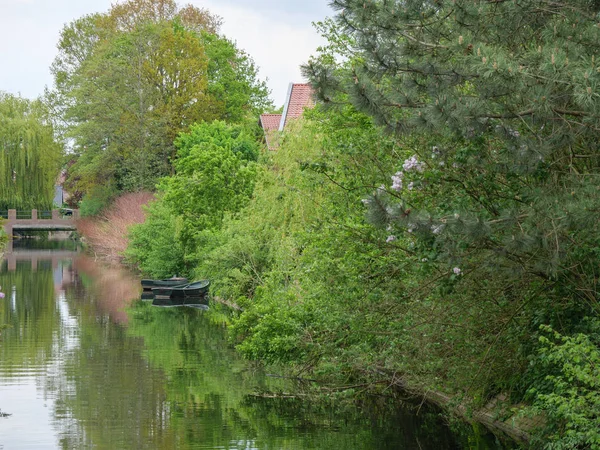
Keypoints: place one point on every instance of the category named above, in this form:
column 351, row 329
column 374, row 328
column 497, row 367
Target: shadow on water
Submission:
column 85, row 364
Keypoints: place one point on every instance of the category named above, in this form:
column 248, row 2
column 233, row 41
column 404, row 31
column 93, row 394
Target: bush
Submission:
column 153, row 247
column 215, row 176
column 96, row 200
column 568, row 393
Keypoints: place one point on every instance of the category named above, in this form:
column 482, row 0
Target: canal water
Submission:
column 85, row 364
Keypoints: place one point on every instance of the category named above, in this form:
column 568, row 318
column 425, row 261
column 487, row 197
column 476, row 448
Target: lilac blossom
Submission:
column 413, row 163
column 397, row 181
column 410, row 186
column 457, row 271
column 391, row 238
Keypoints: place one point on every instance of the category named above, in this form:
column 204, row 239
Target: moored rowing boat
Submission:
column 148, row 284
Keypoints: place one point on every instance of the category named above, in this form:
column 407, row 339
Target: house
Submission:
column 299, row 96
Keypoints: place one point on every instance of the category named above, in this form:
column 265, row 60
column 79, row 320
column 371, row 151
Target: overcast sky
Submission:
column 277, row 33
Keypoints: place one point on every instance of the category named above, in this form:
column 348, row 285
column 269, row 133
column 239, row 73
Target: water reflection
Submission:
column 85, row 365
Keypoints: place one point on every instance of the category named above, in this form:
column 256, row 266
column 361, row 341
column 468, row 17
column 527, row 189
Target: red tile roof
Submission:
column 300, row 97
column 270, row 121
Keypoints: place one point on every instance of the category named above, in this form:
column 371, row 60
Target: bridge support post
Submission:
column 10, row 221
column 34, row 214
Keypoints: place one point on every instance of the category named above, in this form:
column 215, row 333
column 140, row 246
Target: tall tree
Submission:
column 498, row 103
column 29, row 156
column 128, row 81
column 503, row 96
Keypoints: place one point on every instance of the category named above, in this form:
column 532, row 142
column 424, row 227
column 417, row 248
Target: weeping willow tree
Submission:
column 29, row 155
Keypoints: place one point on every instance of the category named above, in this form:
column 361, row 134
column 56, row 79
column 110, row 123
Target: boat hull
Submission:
column 148, row 284
column 195, row 289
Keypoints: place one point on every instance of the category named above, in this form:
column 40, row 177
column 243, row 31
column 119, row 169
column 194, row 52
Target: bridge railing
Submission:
column 34, row 214
column 24, row 215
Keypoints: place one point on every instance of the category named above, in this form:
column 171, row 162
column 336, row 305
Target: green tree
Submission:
column 503, row 97
column 233, row 81
column 215, row 175
column 29, row 155
column 497, row 103
column 129, row 81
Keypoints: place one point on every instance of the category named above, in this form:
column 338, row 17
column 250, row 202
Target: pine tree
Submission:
column 503, row 98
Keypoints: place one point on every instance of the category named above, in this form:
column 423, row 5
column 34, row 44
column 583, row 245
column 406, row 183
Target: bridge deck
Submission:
column 56, row 222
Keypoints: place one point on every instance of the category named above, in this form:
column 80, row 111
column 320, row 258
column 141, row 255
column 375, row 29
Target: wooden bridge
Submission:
column 55, row 220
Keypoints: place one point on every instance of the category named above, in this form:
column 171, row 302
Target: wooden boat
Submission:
column 147, row 295
column 148, row 284
column 195, row 289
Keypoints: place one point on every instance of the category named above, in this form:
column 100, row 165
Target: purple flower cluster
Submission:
column 397, row 181
column 410, row 164
column 413, row 163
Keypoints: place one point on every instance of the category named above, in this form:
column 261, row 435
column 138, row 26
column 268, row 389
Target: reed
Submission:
column 107, row 233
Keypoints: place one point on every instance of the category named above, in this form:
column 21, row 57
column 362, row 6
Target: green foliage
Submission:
column 214, row 178
column 29, row 155
column 498, row 195
column 324, row 292
column 127, row 82
column 152, row 245
column 494, row 175
column 433, row 212
column 569, row 394
column 97, row 199
column 3, row 236
column 233, row 81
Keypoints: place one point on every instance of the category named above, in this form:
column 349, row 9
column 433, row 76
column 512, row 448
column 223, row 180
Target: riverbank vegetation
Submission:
column 430, row 225
column 106, row 233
